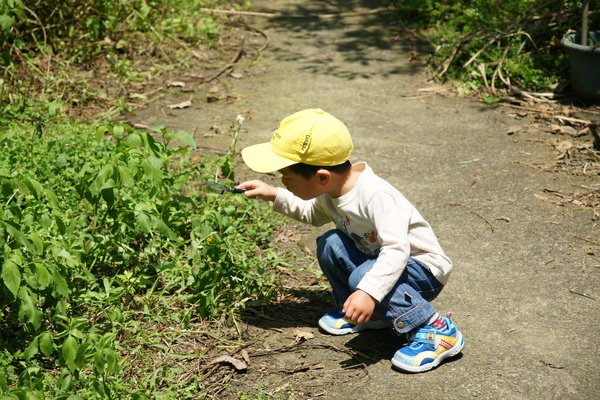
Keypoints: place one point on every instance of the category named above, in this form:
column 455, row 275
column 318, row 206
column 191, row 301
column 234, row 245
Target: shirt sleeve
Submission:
column 391, row 216
column 307, row 211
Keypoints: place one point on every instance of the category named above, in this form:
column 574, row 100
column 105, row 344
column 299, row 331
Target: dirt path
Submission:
column 525, row 288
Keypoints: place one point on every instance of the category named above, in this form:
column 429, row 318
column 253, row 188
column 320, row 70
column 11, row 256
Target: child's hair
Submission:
column 306, row 170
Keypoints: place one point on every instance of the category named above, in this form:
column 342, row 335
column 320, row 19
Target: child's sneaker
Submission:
column 430, row 346
column 335, row 323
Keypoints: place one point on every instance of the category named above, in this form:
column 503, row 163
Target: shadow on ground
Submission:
column 364, row 41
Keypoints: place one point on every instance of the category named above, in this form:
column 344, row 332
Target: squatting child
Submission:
column 383, row 260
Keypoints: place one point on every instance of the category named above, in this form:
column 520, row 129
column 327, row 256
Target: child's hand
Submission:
column 259, row 189
column 359, row 307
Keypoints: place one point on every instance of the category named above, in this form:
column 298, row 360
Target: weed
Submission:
column 489, row 44
column 106, row 227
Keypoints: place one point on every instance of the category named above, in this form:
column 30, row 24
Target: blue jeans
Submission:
column 406, row 307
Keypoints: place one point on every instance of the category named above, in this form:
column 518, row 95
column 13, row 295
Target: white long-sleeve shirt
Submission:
column 379, row 219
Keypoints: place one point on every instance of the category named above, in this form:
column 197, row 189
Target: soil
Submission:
column 512, row 198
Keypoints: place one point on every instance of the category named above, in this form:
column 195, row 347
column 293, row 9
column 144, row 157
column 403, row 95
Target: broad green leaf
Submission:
column 60, row 285
column 80, row 356
column 34, row 186
column 155, row 162
column 70, row 260
column 185, row 138
column 118, row 131
column 108, row 195
column 44, row 279
column 69, row 351
column 143, row 222
column 125, row 176
column 5, row 172
column 100, row 132
column 16, row 234
column 51, row 197
column 46, row 344
column 152, row 168
column 35, row 244
column 11, row 276
column 45, row 221
column 163, row 228
column 65, row 382
column 6, row 22
column 9, row 396
column 134, row 141
column 31, row 350
column 28, row 311
column 144, row 10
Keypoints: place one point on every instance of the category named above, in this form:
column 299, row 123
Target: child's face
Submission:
column 305, row 188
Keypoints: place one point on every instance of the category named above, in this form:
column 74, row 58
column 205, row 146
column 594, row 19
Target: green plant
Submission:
column 496, row 44
column 70, row 51
column 106, row 227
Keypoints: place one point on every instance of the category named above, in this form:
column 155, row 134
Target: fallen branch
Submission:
column 260, row 32
column 227, row 67
column 562, row 118
column 521, row 92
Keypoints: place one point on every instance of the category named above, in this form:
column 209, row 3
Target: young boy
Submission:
column 383, row 260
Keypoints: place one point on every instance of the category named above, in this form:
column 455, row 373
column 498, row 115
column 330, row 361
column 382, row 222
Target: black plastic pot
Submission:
column 585, row 65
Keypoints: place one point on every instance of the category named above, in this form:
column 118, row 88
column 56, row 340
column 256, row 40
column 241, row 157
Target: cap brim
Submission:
column 260, row 158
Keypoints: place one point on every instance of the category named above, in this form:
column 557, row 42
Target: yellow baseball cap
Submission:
column 310, row 136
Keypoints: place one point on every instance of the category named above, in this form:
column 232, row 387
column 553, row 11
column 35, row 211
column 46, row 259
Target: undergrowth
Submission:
column 487, row 45
column 90, row 54
column 105, row 229
column 109, row 241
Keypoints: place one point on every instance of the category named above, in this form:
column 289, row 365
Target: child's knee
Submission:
column 328, row 242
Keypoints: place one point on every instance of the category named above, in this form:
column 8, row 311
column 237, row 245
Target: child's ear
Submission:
column 324, row 177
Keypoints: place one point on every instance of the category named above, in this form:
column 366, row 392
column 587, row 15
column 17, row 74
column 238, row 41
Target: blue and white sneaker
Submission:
column 334, row 322
column 430, row 346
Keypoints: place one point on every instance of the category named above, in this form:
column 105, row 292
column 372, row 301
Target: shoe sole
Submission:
column 355, row 329
column 422, row 368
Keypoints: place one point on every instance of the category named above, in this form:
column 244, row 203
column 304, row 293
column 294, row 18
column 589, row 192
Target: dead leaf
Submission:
column 507, row 219
column 304, row 248
column 138, row 96
column 214, row 89
column 302, row 336
column 176, row 84
column 583, row 132
column 183, row 104
column 236, row 75
column 562, row 129
column 245, row 356
column 202, row 56
column 563, row 147
column 239, row 365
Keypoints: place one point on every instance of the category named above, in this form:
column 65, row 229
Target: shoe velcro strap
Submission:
column 426, row 336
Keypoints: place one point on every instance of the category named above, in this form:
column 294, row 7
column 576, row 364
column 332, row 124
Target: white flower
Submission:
column 240, row 119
